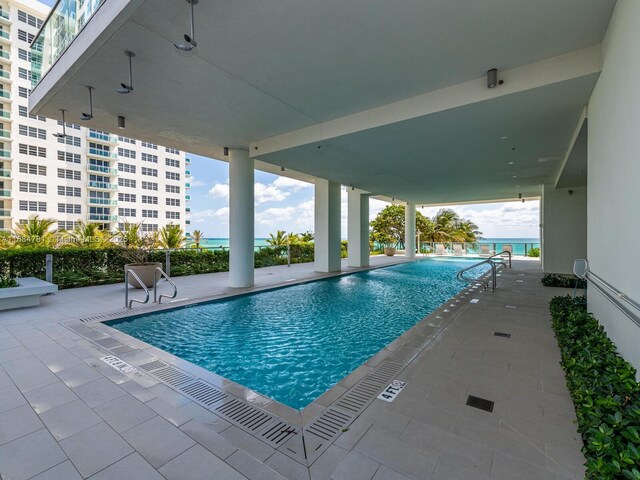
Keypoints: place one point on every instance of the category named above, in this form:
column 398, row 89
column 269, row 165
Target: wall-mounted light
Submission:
column 225, row 151
column 492, row 78
column 189, row 39
column 88, row 116
column 121, row 123
column 282, row 169
column 127, row 87
column 64, row 129
column 570, row 192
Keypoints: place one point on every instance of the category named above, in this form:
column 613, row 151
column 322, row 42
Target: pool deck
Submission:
column 65, row 414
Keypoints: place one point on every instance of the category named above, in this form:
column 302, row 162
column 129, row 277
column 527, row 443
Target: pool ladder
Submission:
column 494, row 264
column 156, row 278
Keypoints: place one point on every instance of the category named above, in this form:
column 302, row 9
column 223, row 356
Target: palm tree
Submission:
column 197, row 237
column 130, row 235
column 277, row 240
column 444, row 224
column 171, row 236
column 90, row 234
column 35, row 232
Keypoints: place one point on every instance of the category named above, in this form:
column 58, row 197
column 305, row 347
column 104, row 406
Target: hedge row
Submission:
column 563, row 280
column 604, row 391
column 81, row 267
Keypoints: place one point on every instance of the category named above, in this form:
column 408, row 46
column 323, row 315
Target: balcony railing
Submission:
column 102, row 185
column 187, row 185
column 101, row 169
column 4, row 14
column 102, row 153
column 4, row 74
column 5, row 193
column 4, row 172
column 5, row 94
column 5, row 114
column 5, row 34
column 187, row 209
column 187, row 197
column 5, row 153
column 5, row 213
column 479, row 248
column 5, row 133
column 187, row 172
column 101, row 201
column 103, row 137
column 5, row 54
column 187, row 160
column 103, row 217
column 65, row 21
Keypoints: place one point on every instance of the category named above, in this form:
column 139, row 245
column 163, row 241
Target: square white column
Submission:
column 410, row 230
column 241, row 219
column 327, row 226
column 358, row 228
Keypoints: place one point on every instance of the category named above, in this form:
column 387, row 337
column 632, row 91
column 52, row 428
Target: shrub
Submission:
column 604, row 390
column 562, row 280
column 8, row 282
column 534, row 252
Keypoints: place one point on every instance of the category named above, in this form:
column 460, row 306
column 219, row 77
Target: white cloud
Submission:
column 219, row 190
column 203, row 215
column 290, row 183
column 195, row 182
column 275, row 216
column 268, row 193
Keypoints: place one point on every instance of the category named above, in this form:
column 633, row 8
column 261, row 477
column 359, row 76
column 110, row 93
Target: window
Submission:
column 68, row 191
column 149, row 213
column 173, row 188
column 32, row 150
column 32, row 169
column 68, row 157
column 70, row 140
column 149, row 145
column 69, row 125
column 126, row 167
column 149, row 199
column 69, row 174
column 32, row 187
column 32, row 132
column 29, row 19
column 25, row 37
column 147, row 157
column 126, row 140
column 29, row 206
column 24, row 73
column 64, row 225
column 170, row 162
column 151, row 172
column 172, row 150
column 126, row 182
column 125, row 152
column 173, row 176
column 126, row 197
column 149, row 227
column 173, row 202
column 24, row 112
column 127, row 212
column 24, row 55
column 24, row 92
column 149, row 186
column 69, row 208
column 173, row 215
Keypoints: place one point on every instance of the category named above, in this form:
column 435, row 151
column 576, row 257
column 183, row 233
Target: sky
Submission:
column 286, row 204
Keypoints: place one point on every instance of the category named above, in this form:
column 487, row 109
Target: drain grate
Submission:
column 172, row 376
column 480, row 403
column 243, row 415
column 153, row 365
column 278, row 433
column 405, row 355
column 502, row 334
column 204, row 393
column 385, row 372
column 359, row 396
column 329, row 424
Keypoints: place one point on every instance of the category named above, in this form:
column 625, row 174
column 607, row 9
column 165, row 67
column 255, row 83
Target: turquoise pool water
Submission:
column 293, row 344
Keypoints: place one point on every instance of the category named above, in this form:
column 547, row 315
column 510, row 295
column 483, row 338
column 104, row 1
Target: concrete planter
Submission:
column 26, row 294
column 145, row 271
column 389, row 251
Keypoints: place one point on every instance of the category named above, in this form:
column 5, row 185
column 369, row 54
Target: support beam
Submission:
column 327, row 226
column 410, row 230
column 241, row 216
column 358, row 228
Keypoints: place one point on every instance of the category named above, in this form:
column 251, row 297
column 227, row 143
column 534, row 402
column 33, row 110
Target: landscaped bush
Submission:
column 562, row 280
column 534, row 252
column 604, row 390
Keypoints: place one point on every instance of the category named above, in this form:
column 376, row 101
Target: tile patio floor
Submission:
column 66, row 415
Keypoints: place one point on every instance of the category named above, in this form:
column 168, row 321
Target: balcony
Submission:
column 103, row 137
column 5, row 213
column 187, row 185
column 5, row 95
column 4, row 18
column 5, row 77
column 96, row 152
column 5, row 57
column 103, row 217
column 187, row 172
column 187, row 160
column 5, row 35
column 102, row 185
column 101, row 201
column 187, row 198
column 5, row 135
column 101, row 169
column 5, row 172
column 5, row 114
column 187, row 209
column 4, row 153
column 5, row 193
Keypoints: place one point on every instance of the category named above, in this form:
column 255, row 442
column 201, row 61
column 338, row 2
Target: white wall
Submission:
column 564, row 228
column 614, row 175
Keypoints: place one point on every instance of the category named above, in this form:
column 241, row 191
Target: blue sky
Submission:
column 285, row 204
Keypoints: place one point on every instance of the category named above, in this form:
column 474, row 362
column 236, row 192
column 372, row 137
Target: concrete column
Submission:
column 241, row 216
column 358, row 228
column 327, row 226
column 410, row 230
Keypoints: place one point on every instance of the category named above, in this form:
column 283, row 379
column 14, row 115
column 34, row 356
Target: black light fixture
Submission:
column 121, row 124
column 225, row 151
column 64, row 129
column 88, row 116
column 124, row 87
column 189, row 39
column 492, row 78
column 282, row 169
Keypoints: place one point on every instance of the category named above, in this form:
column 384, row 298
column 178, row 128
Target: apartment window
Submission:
column 24, row 112
column 29, row 19
column 149, row 145
column 65, row 225
column 171, row 162
column 149, row 213
column 25, row 36
column 147, row 157
column 126, row 167
column 127, row 212
column 69, row 174
column 150, row 199
column 173, row 202
column 29, row 206
column 32, row 150
column 24, row 54
column 126, row 182
column 173, row 215
column 70, row 140
column 65, row 191
column 172, row 150
column 69, row 125
column 68, row 157
column 126, row 140
column 32, row 187
column 24, row 92
column 126, row 197
column 149, row 186
column 173, row 188
column 32, row 169
column 125, row 152
column 151, row 172
column 33, row 132
column 24, row 73
column 149, row 227
column 173, row 176
column 70, row 208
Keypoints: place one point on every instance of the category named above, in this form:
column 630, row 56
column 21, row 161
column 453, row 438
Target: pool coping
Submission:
column 321, row 422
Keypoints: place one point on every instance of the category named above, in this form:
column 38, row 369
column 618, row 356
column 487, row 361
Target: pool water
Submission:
column 292, row 344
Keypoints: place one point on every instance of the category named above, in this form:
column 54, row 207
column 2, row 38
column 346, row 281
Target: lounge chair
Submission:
column 440, row 250
column 485, row 251
column 507, row 248
column 457, row 249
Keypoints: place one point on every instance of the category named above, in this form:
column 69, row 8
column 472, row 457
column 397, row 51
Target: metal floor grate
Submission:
column 404, row 355
column 206, row 394
column 502, row 334
column 153, row 365
column 480, row 403
column 329, row 424
column 246, row 416
column 172, row 376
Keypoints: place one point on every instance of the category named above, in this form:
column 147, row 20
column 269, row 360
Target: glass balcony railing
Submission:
column 102, row 153
column 103, row 217
column 101, row 169
column 102, row 185
column 5, row 133
column 4, row 14
column 4, row 74
column 5, row 193
column 187, row 160
column 4, row 54
column 5, row 94
column 187, row 209
column 101, row 201
column 5, row 114
column 5, row 213
column 187, row 172
column 4, row 34
column 187, row 185
column 105, row 137
column 4, row 172
column 5, row 153
column 65, row 21
column 187, row 197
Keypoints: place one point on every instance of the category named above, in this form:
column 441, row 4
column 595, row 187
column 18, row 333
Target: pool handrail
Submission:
column 156, row 279
column 128, row 304
column 494, row 270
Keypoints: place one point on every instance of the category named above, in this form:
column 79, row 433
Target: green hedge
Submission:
column 604, row 391
column 562, row 280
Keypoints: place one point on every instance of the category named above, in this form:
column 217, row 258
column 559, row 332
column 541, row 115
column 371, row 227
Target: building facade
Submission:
column 87, row 176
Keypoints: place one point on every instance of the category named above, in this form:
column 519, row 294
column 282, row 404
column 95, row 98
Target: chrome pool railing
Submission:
column 494, row 264
column 156, row 298
column 156, row 279
column 128, row 303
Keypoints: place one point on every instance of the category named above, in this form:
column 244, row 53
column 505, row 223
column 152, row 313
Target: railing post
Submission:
column 126, row 289
column 167, row 262
column 288, row 254
column 525, row 249
column 49, row 268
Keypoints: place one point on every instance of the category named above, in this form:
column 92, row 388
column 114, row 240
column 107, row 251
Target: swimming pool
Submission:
column 292, row 344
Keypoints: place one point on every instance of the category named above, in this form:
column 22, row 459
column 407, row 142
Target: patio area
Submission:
column 65, row 414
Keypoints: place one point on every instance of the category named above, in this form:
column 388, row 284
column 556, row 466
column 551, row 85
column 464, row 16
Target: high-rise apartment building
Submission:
column 89, row 175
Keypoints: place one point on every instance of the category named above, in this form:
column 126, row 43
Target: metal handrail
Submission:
column 494, row 270
column 127, row 303
column 615, row 296
column 158, row 299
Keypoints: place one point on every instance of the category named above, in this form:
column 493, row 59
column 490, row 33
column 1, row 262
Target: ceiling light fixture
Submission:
column 504, row 137
column 124, row 87
column 64, row 130
column 190, row 39
column 88, row 116
column 510, row 163
column 121, row 121
column 492, row 78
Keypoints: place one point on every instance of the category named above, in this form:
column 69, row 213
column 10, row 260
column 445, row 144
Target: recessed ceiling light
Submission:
column 515, row 176
column 510, row 163
column 504, row 137
column 517, row 186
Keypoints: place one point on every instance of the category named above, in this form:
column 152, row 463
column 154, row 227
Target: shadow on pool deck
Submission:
column 82, row 416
